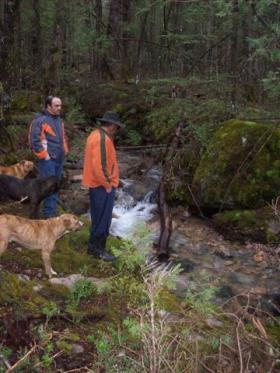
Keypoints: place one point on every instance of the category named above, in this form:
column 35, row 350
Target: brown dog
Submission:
column 36, row 234
column 19, row 170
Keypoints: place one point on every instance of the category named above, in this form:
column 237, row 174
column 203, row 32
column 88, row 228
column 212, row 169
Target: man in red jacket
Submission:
column 101, row 176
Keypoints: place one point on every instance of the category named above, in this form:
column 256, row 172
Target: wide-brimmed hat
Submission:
column 111, row 117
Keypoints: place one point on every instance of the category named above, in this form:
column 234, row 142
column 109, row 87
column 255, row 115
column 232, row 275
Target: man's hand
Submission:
column 47, row 158
column 108, row 190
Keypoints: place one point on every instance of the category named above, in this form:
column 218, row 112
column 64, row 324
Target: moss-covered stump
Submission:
column 260, row 225
column 240, row 167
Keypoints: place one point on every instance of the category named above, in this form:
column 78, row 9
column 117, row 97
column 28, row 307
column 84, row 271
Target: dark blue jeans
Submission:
column 101, row 208
column 53, row 167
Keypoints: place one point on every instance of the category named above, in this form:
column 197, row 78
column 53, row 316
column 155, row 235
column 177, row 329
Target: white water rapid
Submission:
column 128, row 213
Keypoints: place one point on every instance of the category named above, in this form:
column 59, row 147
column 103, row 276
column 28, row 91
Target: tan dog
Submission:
column 19, row 170
column 36, row 234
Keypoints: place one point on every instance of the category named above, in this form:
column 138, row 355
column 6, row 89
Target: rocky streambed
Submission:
column 205, row 255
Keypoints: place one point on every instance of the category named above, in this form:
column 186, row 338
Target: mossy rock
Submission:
column 57, row 293
column 259, row 225
column 240, row 168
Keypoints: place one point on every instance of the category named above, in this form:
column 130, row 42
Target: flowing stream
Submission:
column 204, row 255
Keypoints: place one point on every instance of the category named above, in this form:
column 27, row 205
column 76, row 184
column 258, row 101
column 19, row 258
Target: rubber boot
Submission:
column 96, row 248
column 93, row 246
column 103, row 254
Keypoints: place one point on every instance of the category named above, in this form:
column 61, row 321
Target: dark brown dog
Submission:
column 34, row 189
column 36, row 234
column 19, row 170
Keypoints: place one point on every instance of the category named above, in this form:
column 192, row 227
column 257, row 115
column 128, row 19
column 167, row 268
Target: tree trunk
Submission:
column 52, row 78
column 8, row 37
column 233, row 51
column 36, row 41
column 98, row 29
column 139, row 56
column 162, row 246
column 125, row 65
column 114, row 25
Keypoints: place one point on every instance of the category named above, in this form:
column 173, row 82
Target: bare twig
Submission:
column 15, row 203
column 52, row 358
column 195, row 201
column 9, row 370
column 5, row 361
column 239, row 348
column 248, row 362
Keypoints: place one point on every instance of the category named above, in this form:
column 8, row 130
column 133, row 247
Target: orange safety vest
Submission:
column 100, row 161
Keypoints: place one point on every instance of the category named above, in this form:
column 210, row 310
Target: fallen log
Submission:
column 166, row 222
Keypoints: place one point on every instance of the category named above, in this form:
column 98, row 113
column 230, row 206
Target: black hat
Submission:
column 111, row 117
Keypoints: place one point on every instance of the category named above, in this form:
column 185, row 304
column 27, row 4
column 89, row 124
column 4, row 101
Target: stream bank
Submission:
column 98, row 315
column 204, row 254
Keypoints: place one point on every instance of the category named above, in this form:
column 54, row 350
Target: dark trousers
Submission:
column 101, row 208
column 52, row 167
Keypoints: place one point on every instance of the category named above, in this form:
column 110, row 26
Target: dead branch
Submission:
column 11, row 369
column 5, row 361
column 195, row 201
column 239, row 348
column 13, row 203
column 166, row 224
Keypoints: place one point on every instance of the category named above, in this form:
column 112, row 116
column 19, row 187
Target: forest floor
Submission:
column 213, row 313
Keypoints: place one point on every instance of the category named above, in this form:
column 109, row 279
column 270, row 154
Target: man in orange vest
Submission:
column 101, row 176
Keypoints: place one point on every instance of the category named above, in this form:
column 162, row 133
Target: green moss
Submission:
column 176, row 192
column 240, row 166
column 163, row 120
column 66, row 347
column 19, row 296
column 168, row 301
column 80, row 238
column 254, row 224
column 71, row 257
column 55, row 292
column 24, row 259
column 273, row 330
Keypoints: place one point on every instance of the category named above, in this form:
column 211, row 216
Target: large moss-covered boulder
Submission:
column 240, row 167
column 259, row 225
